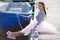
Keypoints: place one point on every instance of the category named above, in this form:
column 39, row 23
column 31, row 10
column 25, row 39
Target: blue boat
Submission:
column 14, row 15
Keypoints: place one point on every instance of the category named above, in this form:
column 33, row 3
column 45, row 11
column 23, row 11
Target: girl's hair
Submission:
column 43, row 6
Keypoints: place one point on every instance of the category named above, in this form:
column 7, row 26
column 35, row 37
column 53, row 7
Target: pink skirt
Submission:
column 44, row 27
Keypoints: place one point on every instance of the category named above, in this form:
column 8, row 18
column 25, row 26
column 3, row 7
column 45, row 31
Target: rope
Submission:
column 19, row 22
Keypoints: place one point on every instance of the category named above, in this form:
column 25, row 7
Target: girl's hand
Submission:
column 45, row 18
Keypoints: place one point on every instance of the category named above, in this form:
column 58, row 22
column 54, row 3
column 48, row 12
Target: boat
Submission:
column 15, row 15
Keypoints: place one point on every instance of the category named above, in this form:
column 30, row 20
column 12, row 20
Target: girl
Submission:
column 38, row 24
